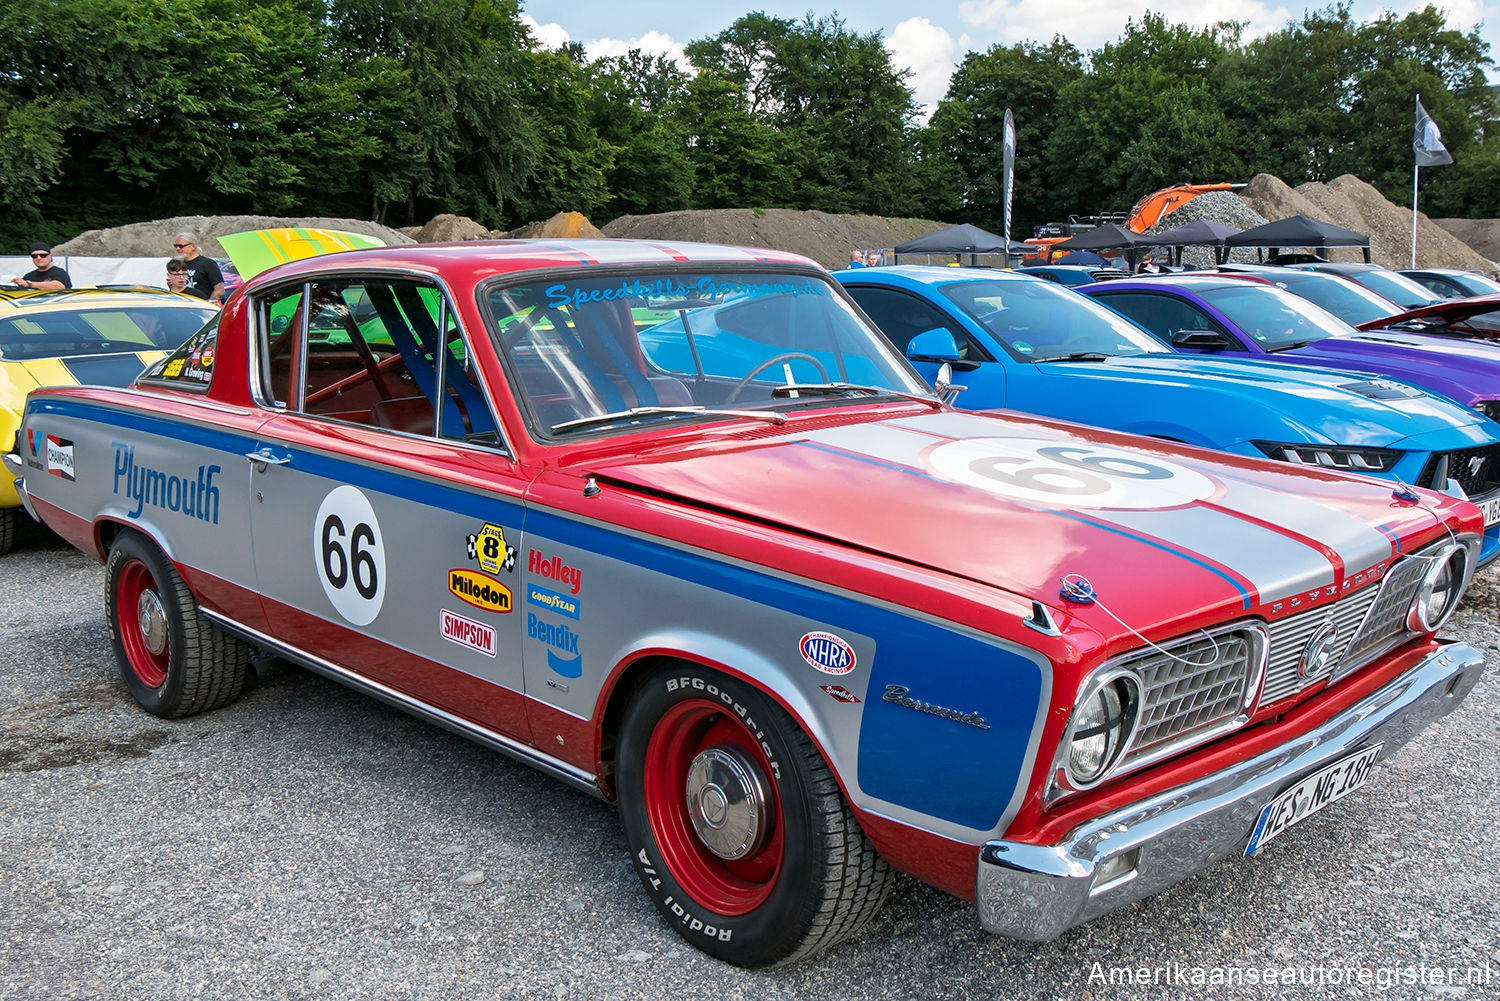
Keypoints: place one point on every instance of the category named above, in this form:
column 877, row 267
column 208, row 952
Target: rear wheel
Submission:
column 736, row 825
column 174, row 661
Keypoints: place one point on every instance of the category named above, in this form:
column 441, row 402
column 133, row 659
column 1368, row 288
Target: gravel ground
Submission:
column 309, row 843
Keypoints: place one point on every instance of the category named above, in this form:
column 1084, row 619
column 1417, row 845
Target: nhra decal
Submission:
column 467, row 632
column 478, row 590
column 487, row 547
column 562, row 646
column 349, row 554
column 60, row 457
column 196, row 498
column 827, row 652
column 1045, row 471
column 840, row 693
column 554, row 569
column 562, row 604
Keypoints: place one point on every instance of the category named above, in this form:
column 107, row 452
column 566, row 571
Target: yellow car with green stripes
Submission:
column 95, row 337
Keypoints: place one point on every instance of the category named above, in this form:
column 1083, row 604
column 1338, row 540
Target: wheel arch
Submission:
column 108, row 528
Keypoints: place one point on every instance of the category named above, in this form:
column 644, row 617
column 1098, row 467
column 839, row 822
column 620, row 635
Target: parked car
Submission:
column 79, row 336
column 1451, row 283
column 1223, row 314
column 1349, row 301
column 1395, row 286
column 1072, row 274
column 1477, row 316
column 1018, row 343
column 800, row 619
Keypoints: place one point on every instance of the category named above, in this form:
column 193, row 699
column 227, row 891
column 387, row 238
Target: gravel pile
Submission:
column 154, row 238
column 1216, row 206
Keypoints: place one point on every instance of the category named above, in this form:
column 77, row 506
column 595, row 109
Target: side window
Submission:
column 386, row 354
column 1163, row 315
column 902, row 316
column 192, row 364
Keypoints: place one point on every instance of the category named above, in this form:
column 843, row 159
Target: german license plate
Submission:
column 1491, row 509
column 1307, row 797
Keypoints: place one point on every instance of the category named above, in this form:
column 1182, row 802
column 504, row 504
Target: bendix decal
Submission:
column 1069, row 474
column 827, row 652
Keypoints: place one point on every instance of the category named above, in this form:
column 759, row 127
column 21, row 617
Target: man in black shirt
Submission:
column 46, row 276
column 205, row 280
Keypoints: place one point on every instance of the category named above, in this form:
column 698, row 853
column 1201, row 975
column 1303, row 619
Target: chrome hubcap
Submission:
column 152, row 619
column 728, row 802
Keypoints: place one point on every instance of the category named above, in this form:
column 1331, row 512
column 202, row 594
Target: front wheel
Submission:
column 736, row 825
column 174, row 661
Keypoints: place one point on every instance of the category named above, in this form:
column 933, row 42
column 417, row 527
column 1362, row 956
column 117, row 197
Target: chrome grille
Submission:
column 1289, row 637
column 1386, row 621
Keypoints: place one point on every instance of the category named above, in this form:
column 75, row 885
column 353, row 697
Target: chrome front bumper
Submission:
column 1037, row 892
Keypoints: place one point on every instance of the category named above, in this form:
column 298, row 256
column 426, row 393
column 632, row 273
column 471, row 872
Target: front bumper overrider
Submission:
column 1037, row 892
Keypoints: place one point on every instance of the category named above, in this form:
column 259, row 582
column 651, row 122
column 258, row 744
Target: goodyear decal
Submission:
column 562, row 604
column 479, row 590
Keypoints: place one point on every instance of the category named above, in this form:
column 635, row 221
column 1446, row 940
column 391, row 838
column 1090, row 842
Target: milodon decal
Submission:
column 827, row 652
column 478, row 590
column 60, row 457
column 554, row 569
column 562, row 604
column 196, row 496
column 350, row 555
column 467, row 632
column 1069, row 475
column 901, row 695
column 562, row 645
column 487, row 547
column 840, row 693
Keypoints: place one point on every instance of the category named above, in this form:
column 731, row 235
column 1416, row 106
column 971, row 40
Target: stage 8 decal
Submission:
column 1069, row 475
column 350, row 555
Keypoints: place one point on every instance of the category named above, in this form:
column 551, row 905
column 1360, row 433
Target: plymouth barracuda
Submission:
column 799, row 619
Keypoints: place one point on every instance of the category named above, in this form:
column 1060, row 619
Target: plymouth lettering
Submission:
column 195, row 497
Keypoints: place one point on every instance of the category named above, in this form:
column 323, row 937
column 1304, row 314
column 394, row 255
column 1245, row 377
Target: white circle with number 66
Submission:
column 350, row 555
column 1069, row 474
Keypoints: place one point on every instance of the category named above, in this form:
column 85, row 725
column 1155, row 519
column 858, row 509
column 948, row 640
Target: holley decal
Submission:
column 554, row 569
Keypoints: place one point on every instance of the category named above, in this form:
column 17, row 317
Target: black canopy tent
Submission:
column 1198, row 233
column 1300, row 231
column 1109, row 236
column 965, row 238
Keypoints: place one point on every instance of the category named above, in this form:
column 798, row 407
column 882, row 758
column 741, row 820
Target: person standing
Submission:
column 44, row 276
column 205, row 280
column 856, row 258
column 177, row 276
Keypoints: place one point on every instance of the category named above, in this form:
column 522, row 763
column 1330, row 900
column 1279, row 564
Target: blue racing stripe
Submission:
column 104, row 370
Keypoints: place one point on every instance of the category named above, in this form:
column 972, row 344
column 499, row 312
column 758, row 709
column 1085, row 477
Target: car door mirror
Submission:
column 1200, row 340
column 935, row 345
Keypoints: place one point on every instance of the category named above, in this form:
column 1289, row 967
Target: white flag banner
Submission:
column 1427, row 140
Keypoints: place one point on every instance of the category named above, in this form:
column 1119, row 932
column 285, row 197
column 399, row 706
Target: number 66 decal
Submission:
column 1076, row 475
column 350, row 555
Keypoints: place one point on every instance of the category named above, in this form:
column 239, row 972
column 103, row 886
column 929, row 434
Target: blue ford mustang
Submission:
column 1025, row 344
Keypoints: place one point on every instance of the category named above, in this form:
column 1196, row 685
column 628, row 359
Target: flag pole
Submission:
column 1416, row 170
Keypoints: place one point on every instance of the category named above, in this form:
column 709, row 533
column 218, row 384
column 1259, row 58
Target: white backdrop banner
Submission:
column 86, row 271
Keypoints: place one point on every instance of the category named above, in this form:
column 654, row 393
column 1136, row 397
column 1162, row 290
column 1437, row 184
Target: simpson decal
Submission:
column 827, row 652
column 478, row 590
column 467, row 632
column 60, row 457
column 488, row 548
column 349, row 554
column 1059, row 474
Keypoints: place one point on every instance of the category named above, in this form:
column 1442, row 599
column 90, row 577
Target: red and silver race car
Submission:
column 675, row 525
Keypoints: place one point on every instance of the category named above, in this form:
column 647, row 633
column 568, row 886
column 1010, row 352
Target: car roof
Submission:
column 27, row 300
column 929, row 274
column 1185, row 282
column 1338, row 267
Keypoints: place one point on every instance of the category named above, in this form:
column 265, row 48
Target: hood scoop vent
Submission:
column 1380, row 389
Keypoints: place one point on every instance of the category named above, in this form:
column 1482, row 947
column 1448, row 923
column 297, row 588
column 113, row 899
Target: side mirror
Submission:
column 1200, row 340
column 943, row 385
column 935, row 345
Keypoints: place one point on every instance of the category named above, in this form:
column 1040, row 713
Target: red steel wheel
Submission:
column 737, row 827
column 143, row 624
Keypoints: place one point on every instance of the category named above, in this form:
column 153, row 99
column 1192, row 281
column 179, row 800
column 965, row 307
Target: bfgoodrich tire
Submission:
column 174, row 661
column 10, row 528
column 736, row 826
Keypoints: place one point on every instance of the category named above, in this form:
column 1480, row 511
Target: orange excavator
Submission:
column 1146, row 213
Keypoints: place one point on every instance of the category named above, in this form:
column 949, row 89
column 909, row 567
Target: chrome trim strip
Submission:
column 509, row 746
column 1037, row 892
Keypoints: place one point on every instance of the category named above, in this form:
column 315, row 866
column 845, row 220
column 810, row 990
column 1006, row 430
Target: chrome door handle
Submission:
column 264, row 457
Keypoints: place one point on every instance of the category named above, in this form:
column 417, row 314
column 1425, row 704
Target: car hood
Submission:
column 1448, row 311
column 1012, row 502
column 1467, row 370
column 1345, row 407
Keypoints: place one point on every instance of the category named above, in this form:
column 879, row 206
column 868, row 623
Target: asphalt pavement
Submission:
column 307, row 842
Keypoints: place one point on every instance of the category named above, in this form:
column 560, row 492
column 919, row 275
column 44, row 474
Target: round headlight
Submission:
column 1442, row 586
column 1103, row 723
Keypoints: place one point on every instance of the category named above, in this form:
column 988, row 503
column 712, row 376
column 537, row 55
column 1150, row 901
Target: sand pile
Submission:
column 154, row 238
column 1481, row 234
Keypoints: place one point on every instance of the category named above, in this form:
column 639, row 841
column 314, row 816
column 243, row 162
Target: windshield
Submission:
column 1397, row 288
column 1273, row 317
column 680, row 345
column 1038, row 321
column 55, row 333
column 1349, row 301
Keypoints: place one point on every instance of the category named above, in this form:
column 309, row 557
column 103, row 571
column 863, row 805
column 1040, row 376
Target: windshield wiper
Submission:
column 795, row 389
column 624, row 415
column 1294, row 345
column 1078, row 356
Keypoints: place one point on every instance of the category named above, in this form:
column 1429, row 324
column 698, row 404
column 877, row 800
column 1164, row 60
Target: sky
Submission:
column 930, row 38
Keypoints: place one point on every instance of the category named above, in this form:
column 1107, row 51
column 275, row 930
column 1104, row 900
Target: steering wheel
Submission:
column 757, row 370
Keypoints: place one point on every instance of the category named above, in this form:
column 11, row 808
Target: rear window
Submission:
column 60, row 333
